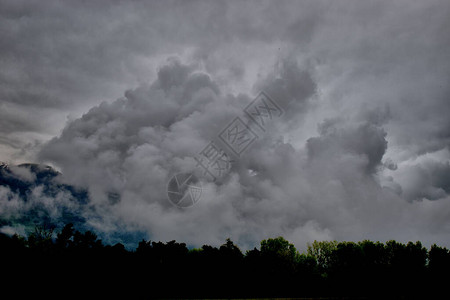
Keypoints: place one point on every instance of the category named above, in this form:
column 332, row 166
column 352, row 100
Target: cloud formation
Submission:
column 361, row 151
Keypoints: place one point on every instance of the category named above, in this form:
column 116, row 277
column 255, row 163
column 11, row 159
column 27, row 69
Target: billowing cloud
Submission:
column 332, row 187
column 134, row 145
column 361, row 150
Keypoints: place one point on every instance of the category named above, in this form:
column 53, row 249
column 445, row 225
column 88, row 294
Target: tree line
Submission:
column 71, row 259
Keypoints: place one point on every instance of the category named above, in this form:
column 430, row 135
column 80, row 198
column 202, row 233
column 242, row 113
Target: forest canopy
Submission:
column 276, row 269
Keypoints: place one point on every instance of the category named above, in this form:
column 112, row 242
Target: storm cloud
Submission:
column 122, row 96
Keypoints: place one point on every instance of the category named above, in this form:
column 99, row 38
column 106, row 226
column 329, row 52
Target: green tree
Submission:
column 279, row 247
column 346, row 261
column 41, row 239
column 279, row 256
column 306, row 263
column 322, row 252
column 374, row 254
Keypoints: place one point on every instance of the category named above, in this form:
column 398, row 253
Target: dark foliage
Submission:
column 71, row 262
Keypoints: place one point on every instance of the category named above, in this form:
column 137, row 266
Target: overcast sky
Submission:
column 121, row 96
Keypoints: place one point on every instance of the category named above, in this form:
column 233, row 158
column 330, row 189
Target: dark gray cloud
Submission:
column 361, row 150
column 363, row 140
column 426, row 180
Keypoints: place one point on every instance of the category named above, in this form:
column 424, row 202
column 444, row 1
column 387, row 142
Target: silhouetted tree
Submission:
column 41, row 239
column 86, row 241
column 277, row 269
column 64, row 239
column 229, row 249
column 439, row 261
column 144, row 248
column 438, row 269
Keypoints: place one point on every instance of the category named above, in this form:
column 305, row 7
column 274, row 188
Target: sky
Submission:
column 121, row 96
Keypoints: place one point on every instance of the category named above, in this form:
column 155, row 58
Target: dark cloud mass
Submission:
column 121, row 96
